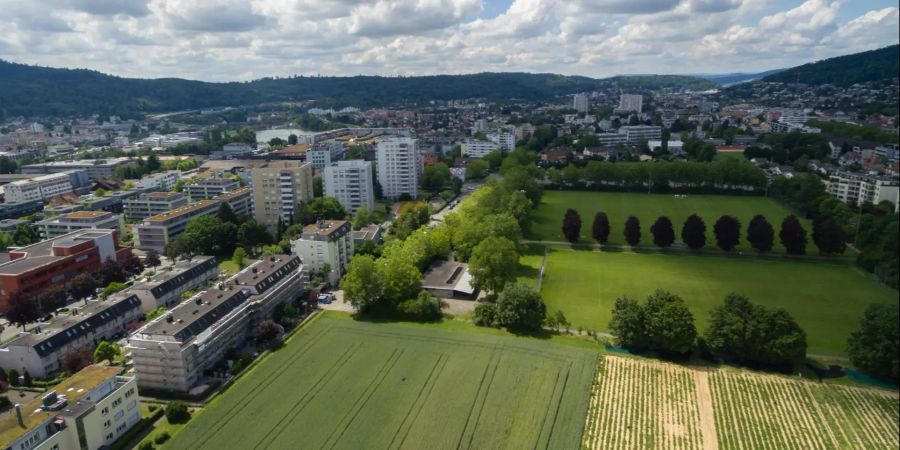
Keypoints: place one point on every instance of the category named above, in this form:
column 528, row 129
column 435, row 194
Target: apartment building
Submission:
column 173, row 351
column 504, row 137
column 208, row 188
column 324, row 153
column 634, row 134
column 351, row 183
column 165, row 287
column 581, row 103
column 155, row 232
column 79, row 220
column 152, row 204
column 399, row 165
column 631, row 102
column 240, row 200
column 474, row 148
column 162, row 181
column 54, row 262
column 13, row 210
column 43, row 187
column 236, row 150
column 278, row 188
column 327, row 242
column 97, row 169
column 857, row 188
column 88, row 411
column 84, row 326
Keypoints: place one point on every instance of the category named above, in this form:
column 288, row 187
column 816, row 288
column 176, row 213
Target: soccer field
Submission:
column 346, row 384
column 546, row 219
column 826, row 299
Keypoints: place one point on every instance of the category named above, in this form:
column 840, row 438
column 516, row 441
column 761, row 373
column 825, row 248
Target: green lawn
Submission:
column 826, row 299
column 546, row 219
column 228, row 266
column 340, row 383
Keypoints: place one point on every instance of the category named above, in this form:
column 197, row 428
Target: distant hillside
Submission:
column 873, row 65
column 738, row 77
column 41, row 91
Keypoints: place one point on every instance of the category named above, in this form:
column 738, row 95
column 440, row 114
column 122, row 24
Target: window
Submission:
column 104, row 411
column 107, row 424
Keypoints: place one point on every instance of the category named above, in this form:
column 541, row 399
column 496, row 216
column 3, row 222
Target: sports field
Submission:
column 345, row 384
column 546, row 219
column 647, row 404
column 826, row 299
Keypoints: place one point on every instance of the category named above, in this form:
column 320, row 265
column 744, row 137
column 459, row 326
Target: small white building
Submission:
column 326, row 242
column 474, row 148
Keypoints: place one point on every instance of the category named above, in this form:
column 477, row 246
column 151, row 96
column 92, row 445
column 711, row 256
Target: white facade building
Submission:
column 38, row 188
column 324, row 153
column 79, row 220
column 326, row 242
column 860, row 188
column 398, row 167
column 351, row 183
column 581, row 103
column 473, row 148
column 505, row 138
column 631, row 102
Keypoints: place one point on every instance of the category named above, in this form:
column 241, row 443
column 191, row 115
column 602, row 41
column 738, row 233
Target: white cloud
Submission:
column 244, row 39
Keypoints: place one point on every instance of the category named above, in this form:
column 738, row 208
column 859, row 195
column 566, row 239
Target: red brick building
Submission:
column 29, row 270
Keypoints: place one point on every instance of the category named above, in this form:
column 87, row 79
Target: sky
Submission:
column 236, row 40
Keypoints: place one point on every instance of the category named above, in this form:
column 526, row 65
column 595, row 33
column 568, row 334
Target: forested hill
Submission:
column 873, row 65
column 40, row 91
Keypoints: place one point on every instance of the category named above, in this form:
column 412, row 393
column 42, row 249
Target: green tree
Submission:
column 493, row 264
column 663, row 232
column 520, row 307
column 627, row 323
column 362, row 285
column 239, row 256
column 874, row 347
column 760, row 234
column 156, row 313
column 571, row 226
column 26, row 379
column 324, row 208
column 177, row 412
column 14, row 377
column 292, row 139
column 728, row 232
column 793, row 236
column 22, row 310
column 6, row 241
column 633, row 231
column 693, row 234
column 208, row 235
column 153, row 164
column 226, row 214
column 828, row 235
column 25, row 235
column 477, row 169
column 151, row 259
column 106, row 351
column 600, row 228
column 252, row 233
column 435, row 177
column 112, row 288
column 401, row 280
column 662, row 323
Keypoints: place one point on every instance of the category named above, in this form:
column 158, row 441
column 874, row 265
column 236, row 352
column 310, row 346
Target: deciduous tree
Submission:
column 493, row 264
column 600, row 229
column 151, row 259
column 875, row 346
column 633, row 231
column 520, row 307
column 793, row 236
column 728, row 232
column 693, row 234
column 22, row 310
column 760, row 233
column 106, row 351
column 75, row 359
column 362, row 285
column 663, row 232
column 571, row 226
column 828, row 235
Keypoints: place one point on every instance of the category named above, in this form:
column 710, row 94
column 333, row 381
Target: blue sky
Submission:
column 222, row 40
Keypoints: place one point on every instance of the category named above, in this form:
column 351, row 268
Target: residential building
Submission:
column 581, row 103
column 278, row 188
column 165, row 287
column 157, row 231
column 97, row 169
column 504, row 137
column 43, row 187
column 54, row 262
column 79, row 220
column 398, row 167
column 10, row 225
column 634, row 134
column 152, row 204
column 367, row 233
column 162, row 181
column 474, row 148
column 208, row 188
column 631, row 102
column 856, row 188
column 351, row 183
column 524, row 131
column 324, row 153
column 611, row 139
column 236, row 150
column 84, row 326
column 173, row 351
column 326, row 242
column 14, row 210
column 88, row 411
column 240, row 200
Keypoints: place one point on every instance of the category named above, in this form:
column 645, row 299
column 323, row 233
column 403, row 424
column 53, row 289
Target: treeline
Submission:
column 874, row 65
column 790, row 147
column 872, row 229
column 857, row 133
column 726, row 175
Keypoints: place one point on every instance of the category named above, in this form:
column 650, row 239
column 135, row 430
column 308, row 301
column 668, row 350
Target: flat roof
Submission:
column 263, row 273
column 233, row 194
column 73, row 388
column 323, row 228
column 181, row 210
column 163, row 195
column 293, row 149
column 191, row 317
column 449, row 275
column 41, row 253
column 87, row 214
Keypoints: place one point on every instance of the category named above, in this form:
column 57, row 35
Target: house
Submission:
column 449, row 279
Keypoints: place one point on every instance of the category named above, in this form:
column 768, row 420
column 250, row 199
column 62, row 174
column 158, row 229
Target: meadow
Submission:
column 546, row 219
column 639, row 403
column 340, row 383
column 826, row 299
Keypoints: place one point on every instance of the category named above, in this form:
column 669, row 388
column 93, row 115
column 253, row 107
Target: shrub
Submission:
column 146, row 445
column 152, row 408
column 485, row 315
column 4, row 402
column 161, row 438
column 13, row 377
column 177, row 412
column 424, row 307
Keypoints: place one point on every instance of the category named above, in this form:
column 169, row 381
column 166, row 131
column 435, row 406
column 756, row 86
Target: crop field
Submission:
column 647, row 404
column 546, row 219
column 826, row 299
column 773, row 412
column 346, row 384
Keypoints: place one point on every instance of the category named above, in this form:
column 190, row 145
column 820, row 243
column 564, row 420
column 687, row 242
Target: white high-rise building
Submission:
column 631, row 102
column 398, row 167
column 581, row 103
column 504, row 137
column 350, row 182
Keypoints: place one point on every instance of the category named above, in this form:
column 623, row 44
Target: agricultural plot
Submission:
column 641, row 404
column 346, row 384
column 826, row 299
column 778, row 413
column 546, row 219
column 646, row 404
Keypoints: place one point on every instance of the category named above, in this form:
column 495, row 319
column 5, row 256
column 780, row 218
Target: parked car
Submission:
column 325, row 299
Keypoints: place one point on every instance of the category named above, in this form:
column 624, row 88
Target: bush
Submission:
column 161, row 438
column 177, row 412
column 152, row 408
column 4, row 402
column 874, row 347
column 424, row 307
column 13, row 377
column 661, row 323
column 485, row 315
column 146, row 445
